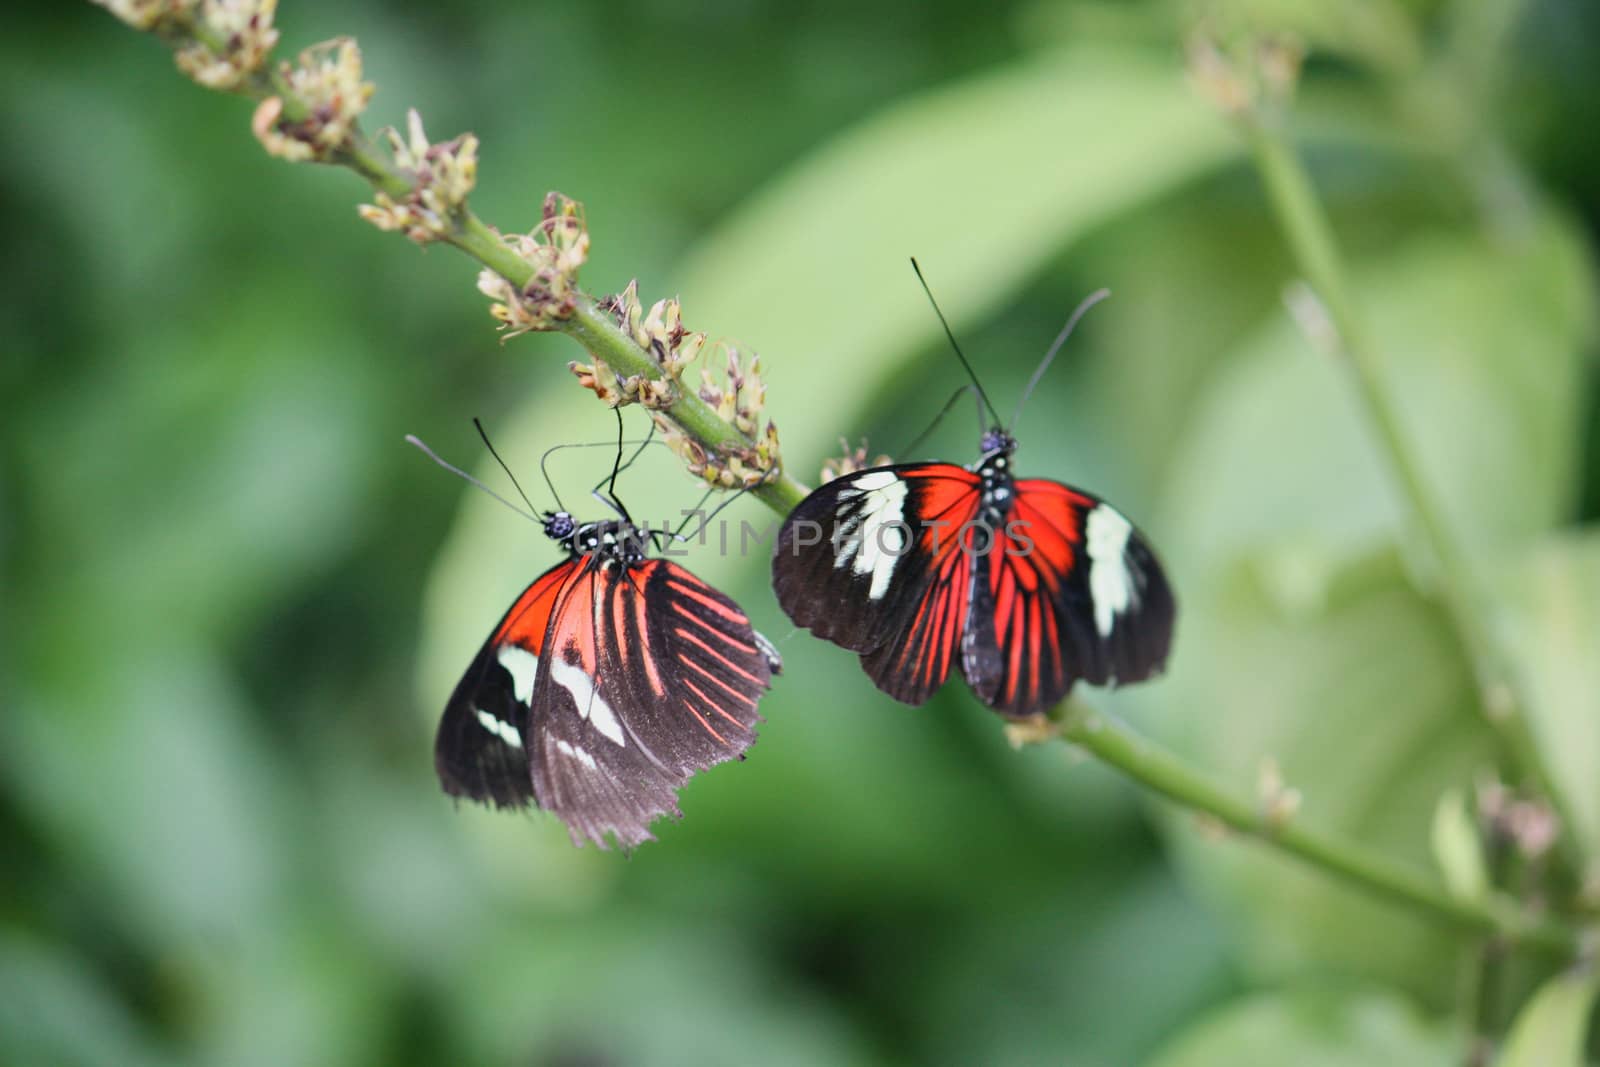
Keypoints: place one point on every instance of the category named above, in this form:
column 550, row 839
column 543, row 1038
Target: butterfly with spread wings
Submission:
column 1027, row 584
column 612, row 679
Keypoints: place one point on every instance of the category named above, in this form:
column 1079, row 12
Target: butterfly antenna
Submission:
column 1061, row 338
column 616, row 468
column 544, row 459
column 984, row 397
column 458, row 472
column 648, row 440
column 911, row 449
column 490, row 446
column 705, row 522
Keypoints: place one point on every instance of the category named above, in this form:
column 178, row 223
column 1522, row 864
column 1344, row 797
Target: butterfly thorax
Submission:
column 995, row 487
column 610, row 541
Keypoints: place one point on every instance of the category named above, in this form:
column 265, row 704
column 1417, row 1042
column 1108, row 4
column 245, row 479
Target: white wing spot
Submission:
column 868, row 483
column 591, row 705
column 523, row 666
column 501, row 729
column 1110, row 584
column 877, row 535
column 581, row 755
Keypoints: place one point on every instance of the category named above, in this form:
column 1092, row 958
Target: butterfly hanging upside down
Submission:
column 607, row 685
column 1035, row 584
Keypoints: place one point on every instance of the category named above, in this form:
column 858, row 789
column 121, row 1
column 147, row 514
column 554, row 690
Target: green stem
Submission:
column 599, row 333
column 1161, row 771
column 1310, row 236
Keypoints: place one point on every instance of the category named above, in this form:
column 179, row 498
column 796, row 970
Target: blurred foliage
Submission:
column 223, row 839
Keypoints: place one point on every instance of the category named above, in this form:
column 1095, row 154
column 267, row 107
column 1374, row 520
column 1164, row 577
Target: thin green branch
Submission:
column 598, row 332
column 1161, row 771
column 1113, row 743
column 1310, row 236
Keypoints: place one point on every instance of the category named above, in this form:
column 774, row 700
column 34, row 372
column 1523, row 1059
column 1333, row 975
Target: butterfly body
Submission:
column 611, row 680
column 1027, row 585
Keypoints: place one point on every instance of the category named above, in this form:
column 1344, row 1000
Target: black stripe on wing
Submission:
column 699, row 670
column 653, row 676
column 588, row 767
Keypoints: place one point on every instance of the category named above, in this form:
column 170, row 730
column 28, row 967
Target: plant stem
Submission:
column 1161, row 771
column 1310, row 236
column 599, row 333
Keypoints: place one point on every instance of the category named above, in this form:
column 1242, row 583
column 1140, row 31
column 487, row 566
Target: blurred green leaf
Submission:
column 1552, row 625
column 1549, row 1031
column 1312, row 1029
column 1458, row 847
column 1302, row 639
column 983, row 181
column 1483, row 345
column 1364, row 701
column 54, row 1010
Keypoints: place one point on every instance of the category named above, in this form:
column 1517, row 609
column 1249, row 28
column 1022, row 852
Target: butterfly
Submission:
column 1028, row 585
column 608, row 683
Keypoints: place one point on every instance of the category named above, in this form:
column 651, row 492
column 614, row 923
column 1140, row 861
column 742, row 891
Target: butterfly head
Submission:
column 996, row 442
column 560, row 526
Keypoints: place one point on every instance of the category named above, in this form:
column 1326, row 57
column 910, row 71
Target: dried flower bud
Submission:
column 150, row 14
column 1033, row 730
column 555, row 249
column 441, row 176
column 1530, row 826
column 245, row 27
column 1279, row 802
column 1247, row 75
column 626, row 307
column 327, row 80
column 853, row 459
column 1217, row 78
column 1278, row 62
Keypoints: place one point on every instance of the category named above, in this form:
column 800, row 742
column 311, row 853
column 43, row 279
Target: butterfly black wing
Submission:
column 1069, row 591
column 874, row 561
column 480, row 748
column 651, row 675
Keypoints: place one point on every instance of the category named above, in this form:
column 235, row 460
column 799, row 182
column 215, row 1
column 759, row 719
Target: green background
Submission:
column 234, row 600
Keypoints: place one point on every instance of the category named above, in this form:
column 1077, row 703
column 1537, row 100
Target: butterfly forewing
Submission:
column 872, row 562
column 480, row 749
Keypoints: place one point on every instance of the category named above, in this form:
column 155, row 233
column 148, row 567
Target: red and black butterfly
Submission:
column 1028, row 584
column 612, row 679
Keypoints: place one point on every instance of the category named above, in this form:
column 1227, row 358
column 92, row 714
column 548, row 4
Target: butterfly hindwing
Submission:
column 652, row 675
column 698, row 672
